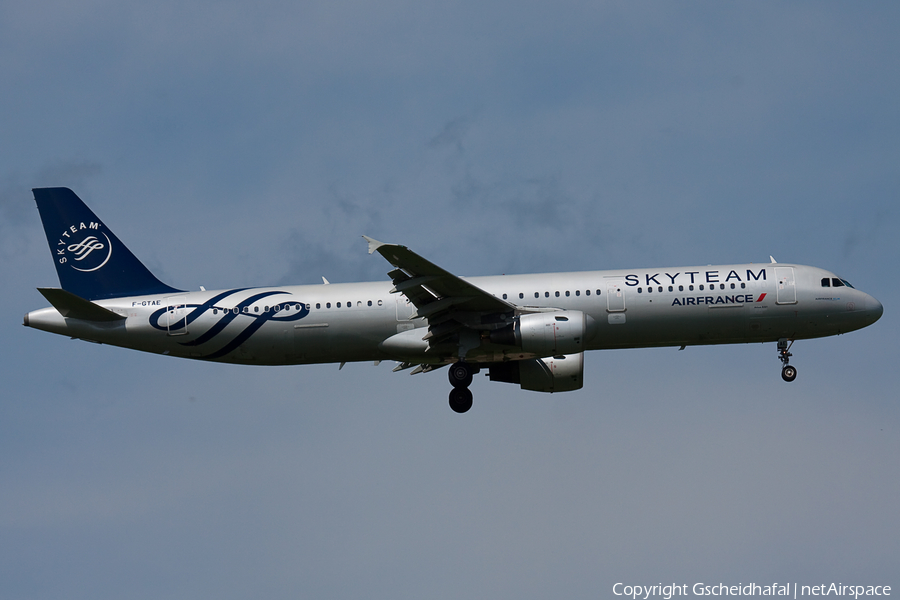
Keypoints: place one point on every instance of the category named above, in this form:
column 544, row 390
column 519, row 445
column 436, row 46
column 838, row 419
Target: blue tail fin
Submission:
column 90, row 260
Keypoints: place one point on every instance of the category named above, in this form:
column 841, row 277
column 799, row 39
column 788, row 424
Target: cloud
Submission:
column 68, row 173
column 17, row 208
column 452, row 135
column 868, row 233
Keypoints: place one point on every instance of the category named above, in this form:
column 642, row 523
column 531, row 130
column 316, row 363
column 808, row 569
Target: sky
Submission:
column 233, row 144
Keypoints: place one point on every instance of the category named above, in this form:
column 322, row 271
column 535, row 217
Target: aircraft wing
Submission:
column 432, row 289
column 449, row 303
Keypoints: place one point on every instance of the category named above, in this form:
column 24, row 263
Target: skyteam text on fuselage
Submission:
column 531, row 330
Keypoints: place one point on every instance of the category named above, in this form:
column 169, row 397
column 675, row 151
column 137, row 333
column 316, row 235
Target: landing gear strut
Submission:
column 788, row 373
column 460, row 375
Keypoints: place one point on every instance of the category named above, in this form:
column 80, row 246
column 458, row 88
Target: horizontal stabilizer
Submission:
column 75, row 307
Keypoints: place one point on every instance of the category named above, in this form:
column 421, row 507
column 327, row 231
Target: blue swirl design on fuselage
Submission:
column 258, row 319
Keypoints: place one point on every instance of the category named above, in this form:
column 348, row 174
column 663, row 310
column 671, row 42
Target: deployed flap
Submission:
column 425, row 284
column 75, row 307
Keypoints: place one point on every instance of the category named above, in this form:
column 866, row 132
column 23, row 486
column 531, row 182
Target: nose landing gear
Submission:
column 460, row 375
column 788, row 373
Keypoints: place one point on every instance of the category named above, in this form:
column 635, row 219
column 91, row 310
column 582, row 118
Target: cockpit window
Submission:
column 837, row 282
column 826, row 282
column 847, row 283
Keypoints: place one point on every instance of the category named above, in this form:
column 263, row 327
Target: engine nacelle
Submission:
column 554, row 374
column 548, row 334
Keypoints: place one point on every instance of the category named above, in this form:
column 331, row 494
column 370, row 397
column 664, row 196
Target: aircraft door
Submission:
column 615, row 296
column 176, row 315
column 786, row 291
column 405, row 308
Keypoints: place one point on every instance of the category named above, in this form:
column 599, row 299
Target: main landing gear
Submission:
column 460, row 378
column 788, row 373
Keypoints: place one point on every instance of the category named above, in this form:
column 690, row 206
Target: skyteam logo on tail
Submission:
column 84, row 247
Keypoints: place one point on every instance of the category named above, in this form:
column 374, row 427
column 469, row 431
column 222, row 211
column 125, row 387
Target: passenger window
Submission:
column 215, row 311
column 722, row 286
column 379, row 303
column 577, row 292
column 369, row 303
column 567, row 293
column 587, row 292
column 255, row 309
column 701, row 287
column 659, row 289
column 504, row 296
column 691, row 288
column 557, row 294
column 598, row 292
column 640, row 290
column 546, row 294
column 521, row 296
column 743, row 285
column 649, row 290
column 537, row 295
column 680, row 288
column 671, row 289
column 328, row 305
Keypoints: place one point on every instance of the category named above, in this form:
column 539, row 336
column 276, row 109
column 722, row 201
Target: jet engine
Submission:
column 554, row 374
column 548, row 333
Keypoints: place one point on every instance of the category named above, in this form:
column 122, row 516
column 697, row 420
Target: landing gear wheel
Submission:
column 460, row 375
column 789, row 373
column 460, row 399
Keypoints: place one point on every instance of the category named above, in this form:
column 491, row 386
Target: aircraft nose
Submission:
column 874, row 308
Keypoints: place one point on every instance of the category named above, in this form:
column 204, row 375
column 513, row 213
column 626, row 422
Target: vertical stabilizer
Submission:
column 90, row 260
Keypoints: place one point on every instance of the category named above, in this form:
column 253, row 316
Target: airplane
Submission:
column 530, row 330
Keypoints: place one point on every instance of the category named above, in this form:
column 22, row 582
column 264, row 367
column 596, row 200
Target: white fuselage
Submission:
column 349, row 322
